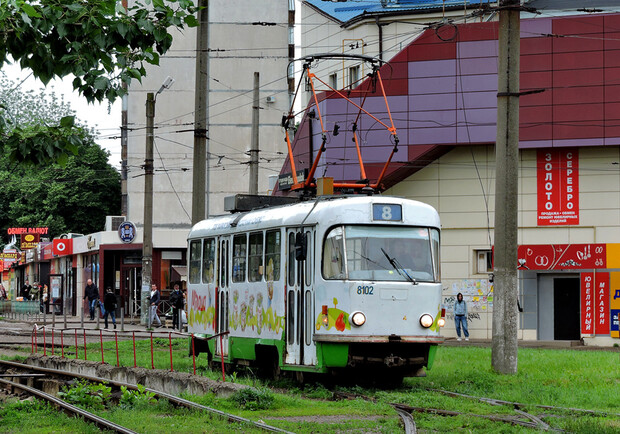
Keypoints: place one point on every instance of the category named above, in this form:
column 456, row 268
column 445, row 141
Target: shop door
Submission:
column 300, row 348
column 222, row 297
column 566, row 309
column 131, row 287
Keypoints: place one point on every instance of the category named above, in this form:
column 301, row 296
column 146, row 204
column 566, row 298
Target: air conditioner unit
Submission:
column 270, row 99
column 112, row 222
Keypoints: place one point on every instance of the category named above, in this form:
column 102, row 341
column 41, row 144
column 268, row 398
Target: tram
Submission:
column 330, row 285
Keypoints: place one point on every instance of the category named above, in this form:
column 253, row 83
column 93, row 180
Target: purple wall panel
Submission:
column 535, row 28
column 445, row 101
column 477, row 49
column 485, row 65
column 432, row 68
column 432, row 85
column 476, row 100
column 474, row 83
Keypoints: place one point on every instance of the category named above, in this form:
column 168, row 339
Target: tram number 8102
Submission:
column 365, row 290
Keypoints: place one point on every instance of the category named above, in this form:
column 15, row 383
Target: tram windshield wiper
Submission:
column 398, row 267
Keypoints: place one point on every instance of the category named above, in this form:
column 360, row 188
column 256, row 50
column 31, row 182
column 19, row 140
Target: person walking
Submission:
column 177, row 302
column 45, row 299
column 3, row 295
column 26, row 290
column 155, row 300
column 109, row 304
column 460, row 317
column 92, row 293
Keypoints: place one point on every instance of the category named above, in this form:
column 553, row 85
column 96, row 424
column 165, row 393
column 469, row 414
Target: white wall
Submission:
column 247, row 48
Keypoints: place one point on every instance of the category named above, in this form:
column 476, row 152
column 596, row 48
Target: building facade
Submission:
column 442, row 94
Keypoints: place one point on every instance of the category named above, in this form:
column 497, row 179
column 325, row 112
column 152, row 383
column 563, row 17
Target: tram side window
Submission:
column 333, row 255
column 239, row 258
column 194, row 261
column 272, row 256
column 308, row 270
column 208, row 260
column 255, row 257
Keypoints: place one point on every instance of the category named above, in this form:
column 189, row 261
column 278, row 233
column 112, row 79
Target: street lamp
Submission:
column 147, row 238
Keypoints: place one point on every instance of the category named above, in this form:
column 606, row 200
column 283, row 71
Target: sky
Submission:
column 105, row 118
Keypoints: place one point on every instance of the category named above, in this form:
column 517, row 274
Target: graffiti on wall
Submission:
column 477, row 293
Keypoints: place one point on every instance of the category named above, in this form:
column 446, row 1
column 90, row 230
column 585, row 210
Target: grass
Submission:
column 562, row 378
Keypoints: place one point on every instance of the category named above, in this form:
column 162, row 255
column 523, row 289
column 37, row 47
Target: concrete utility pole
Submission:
column 147, row 237
column 504, row 341
column 254, row 142
column 201, row 117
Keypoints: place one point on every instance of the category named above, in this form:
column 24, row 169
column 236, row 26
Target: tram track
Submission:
column 520, row 418
column 174, row 400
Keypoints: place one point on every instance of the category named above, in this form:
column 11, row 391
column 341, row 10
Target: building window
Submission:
column 333, row 80
column 354, row 76
column 484, row 261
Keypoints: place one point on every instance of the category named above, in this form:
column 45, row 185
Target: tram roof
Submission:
column 329, row 211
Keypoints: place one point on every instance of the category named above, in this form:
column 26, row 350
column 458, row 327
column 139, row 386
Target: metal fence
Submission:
column 20, row 307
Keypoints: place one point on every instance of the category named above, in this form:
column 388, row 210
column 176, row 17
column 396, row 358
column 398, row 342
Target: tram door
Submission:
column 222, row 297
column 300, row 317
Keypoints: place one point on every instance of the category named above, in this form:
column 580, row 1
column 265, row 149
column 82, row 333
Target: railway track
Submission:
column 101, row 422
column 519, row 418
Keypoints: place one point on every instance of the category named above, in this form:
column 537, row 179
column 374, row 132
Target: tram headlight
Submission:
column 441, row 322
column 358, row 318
column 426, row 320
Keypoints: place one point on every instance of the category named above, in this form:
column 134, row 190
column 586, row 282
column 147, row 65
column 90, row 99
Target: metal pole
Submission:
column 122, row 319
column 254, row 142
column 200, row 203
column 504, row 339
column 147, row 239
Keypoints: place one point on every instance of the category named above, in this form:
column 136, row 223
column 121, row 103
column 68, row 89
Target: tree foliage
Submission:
column 98, row 41
column 73, row 197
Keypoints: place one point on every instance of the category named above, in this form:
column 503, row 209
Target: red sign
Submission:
column 29, row 241
column 21, row 231
column 562, row 256
column 587, row 303
column 557, row 172
column 62, row 247
column 601, row 300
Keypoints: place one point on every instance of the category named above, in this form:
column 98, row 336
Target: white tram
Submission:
column 327, row 285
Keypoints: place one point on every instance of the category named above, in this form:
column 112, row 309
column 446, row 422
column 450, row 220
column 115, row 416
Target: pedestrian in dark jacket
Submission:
column 177, row 302
column 92, row 293
column 109, row 304
column 155, row 300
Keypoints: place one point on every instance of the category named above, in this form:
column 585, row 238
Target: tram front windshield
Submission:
column 381, row 253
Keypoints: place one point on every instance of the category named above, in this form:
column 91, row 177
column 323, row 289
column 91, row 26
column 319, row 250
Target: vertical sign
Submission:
column 587, row 303
column 557, row 173
column 601, row 300
column 614, row 291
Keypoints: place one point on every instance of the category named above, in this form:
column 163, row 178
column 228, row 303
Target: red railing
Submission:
column 127, row 335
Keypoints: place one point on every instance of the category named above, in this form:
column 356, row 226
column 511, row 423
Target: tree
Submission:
column 72, row 197
column 100, row 42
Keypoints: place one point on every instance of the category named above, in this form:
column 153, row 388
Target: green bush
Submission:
column 253, row 399
column 135, row 398
column 86, row 395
